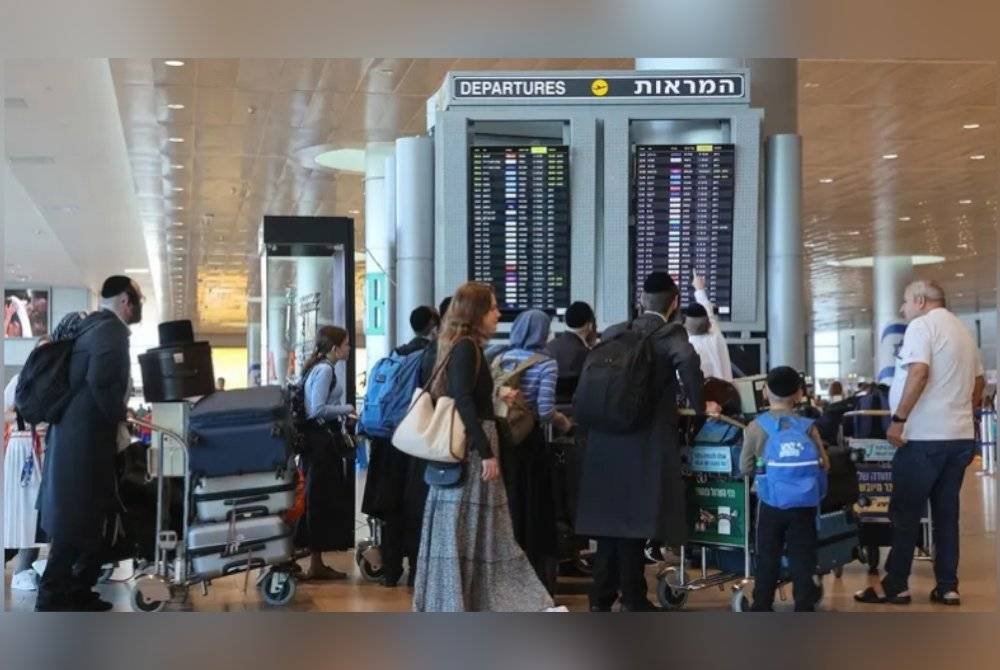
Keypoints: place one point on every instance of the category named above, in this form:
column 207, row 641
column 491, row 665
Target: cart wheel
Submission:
column 141, row 603
column 838, row 571
column 368, row 571
column 739, row 602
column 278, row 588
column 653, row 554
column 671, row 596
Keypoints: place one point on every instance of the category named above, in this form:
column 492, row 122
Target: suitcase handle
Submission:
column 248, row 512
column 241, row 566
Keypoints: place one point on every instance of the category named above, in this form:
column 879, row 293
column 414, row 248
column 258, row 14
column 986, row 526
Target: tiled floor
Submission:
column 978, row 572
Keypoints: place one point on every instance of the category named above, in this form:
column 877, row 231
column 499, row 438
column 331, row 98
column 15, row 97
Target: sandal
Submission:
column 943, row 597
column 869, row 597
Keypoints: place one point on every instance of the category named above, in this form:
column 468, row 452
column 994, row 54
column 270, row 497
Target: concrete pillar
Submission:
column 394, row 336
column 3, row 272
column 378, row 266
column 786, row 317
column 414, row 227
column 890, row 274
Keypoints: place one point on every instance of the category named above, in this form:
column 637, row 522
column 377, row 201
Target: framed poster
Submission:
column 26, row 312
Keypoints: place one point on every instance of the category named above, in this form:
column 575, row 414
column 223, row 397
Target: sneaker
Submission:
column 560, row 608
column 26, row 580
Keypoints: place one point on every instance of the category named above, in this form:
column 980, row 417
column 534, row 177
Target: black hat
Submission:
column 423, row 318
column 659, row 282
column 695, row 311
column 579, row 315
column 115, row 285
column 443, row 307
column 784, row 381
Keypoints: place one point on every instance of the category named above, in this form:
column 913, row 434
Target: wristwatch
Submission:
column 897, row 419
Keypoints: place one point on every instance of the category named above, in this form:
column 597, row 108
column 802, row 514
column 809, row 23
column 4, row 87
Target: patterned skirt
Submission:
column 469, row 560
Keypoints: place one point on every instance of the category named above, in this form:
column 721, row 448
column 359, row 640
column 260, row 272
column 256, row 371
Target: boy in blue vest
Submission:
column 785, row 453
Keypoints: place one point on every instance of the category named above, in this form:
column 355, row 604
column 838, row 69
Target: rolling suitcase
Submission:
column 217, row 549
column 240, row 432
column 260, row 494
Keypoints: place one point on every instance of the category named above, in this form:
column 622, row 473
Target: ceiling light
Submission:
column 959, row 295
column 178, row 207
column 811, row 84
column 965, row 201
column 137, row 271
column 177, row 189
column 826, row 180
column 977, row 157
column 970, row 126
column 853, row 233
column 869, row 261
column 175, row 105
column 904, row 218
column 175, row 140
column 890, row 157
column 174, row 63
column 178, row 166
column 959, row 274
column 354, row 211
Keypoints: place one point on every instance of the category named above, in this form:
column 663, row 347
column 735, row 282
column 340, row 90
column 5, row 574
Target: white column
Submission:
column 3, row 274
column 378, row 243
column 394, row 335
column 890, row 275
column 414, row 227
column 786, row 317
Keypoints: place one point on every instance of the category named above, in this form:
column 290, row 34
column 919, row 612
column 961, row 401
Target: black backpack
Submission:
column 43, row 389
column 615, row 393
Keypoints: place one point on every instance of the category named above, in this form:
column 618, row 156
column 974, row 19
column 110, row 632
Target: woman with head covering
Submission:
column 526, row 466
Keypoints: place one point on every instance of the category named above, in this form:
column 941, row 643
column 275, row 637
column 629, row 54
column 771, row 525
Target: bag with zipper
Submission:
column 518, row 415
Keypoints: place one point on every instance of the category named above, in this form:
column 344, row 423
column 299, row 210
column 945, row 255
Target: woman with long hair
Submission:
column 468, row 558
column 328, row 522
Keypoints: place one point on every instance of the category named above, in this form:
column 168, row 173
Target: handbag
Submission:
column 444, row 475
column 433, row 430
column 519, row 417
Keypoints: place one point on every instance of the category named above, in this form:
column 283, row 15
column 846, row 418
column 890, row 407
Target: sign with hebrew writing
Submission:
column 703, row 87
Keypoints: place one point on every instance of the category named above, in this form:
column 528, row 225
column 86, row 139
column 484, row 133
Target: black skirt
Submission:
column 328, row 465
column 527, row 474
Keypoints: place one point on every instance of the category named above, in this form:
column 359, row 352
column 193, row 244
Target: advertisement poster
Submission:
column 717, row 512
column 25, row 312
column 875, row 489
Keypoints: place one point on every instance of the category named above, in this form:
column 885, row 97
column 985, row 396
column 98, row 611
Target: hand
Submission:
column 895, row 435
column 491, row 469
column 562, row 422
column 509, row 395
column 712, row 407
column 697, row 282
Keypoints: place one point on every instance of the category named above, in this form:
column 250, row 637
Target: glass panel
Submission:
column 827, row 370
column 826, row 355
column 826, row 338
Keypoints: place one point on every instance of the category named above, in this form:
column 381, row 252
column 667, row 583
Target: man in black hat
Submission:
column 570, row 348
column 78, row 502
column 631, row 488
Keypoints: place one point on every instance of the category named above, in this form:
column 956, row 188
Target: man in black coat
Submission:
column 631, row 488
column 570, row 348
column 78, row 500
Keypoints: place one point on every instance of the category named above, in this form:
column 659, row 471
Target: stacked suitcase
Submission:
column 239, row 461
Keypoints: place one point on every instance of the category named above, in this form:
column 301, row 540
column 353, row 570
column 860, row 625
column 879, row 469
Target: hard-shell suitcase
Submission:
column 259, row 494
column 217, row 549
column 240, row 432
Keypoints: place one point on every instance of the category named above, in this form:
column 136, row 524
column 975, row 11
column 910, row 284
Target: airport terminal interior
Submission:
column 253, row 202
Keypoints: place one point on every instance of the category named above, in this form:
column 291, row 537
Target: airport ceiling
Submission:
column 213, row 145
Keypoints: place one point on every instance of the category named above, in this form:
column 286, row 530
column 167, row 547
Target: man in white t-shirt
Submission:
column 937, row 386
column 705, row 335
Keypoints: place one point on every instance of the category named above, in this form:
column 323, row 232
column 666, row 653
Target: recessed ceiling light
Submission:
column 970, row 126
column 175, row 105
column 174, row 63
column 178, row 207
column 959, row 294
column 178, row 166
column 354, row 211
column 962, row 246
column 853, row 232
column 176, row 139
column 965, row 201
column 904, row 218
column 977, row 157
column 826, row 180
column 137, row 271
column 177, row 189
column 959, row 274
column 869, row 261
column 890, row 157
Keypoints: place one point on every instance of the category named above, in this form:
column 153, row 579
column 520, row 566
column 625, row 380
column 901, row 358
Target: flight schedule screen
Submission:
column 684, row 195
column 519, row 225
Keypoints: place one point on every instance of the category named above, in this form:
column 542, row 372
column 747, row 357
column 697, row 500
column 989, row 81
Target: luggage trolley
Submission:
column 172, row 572
column 875, row 484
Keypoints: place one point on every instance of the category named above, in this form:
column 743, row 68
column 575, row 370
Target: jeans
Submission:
column 791, row 532
column 922, row 471
column 619, row 565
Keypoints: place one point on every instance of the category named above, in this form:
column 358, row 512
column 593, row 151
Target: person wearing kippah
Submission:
column 78, row 503
column 570, row 348
column 705, row 335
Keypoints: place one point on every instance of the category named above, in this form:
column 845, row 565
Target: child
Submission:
column 786, row 453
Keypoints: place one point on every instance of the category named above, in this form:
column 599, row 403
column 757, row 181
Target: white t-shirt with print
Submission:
column 944, row 410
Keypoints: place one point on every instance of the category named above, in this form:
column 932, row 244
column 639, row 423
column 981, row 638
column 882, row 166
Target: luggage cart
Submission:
column 987, row 441
column 875, row 483
column 732, row 552
column 368, row 553
column 170, row 576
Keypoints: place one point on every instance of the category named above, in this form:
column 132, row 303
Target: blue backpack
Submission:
column 793, row 474
column 390, row 391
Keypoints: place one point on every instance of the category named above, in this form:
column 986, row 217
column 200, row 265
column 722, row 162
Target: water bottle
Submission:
column 760, row 466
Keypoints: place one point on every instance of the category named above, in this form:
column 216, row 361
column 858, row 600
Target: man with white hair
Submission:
column 937, row 385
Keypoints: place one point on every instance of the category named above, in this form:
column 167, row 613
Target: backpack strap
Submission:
column 769, row 423
column 522, row 367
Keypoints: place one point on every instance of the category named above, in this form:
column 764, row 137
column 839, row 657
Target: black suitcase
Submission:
column 240, row 432
column 842, row 480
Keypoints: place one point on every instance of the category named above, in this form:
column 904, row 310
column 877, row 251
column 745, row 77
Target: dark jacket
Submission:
column 631, row 485
column 79, row 489
column 570, row 352
column 418, row 343
column 473, row 394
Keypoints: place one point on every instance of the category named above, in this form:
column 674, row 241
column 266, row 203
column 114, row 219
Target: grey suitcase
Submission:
column 260, row 494
column 217, row 549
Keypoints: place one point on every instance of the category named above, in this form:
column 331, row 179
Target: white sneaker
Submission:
column 39, row 565
column 26, row 580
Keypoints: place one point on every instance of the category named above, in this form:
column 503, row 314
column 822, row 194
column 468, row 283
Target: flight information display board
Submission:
column 519, row 225
column 684, row 195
